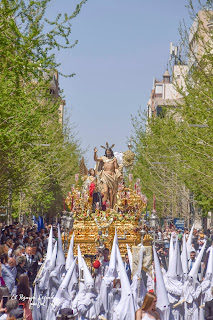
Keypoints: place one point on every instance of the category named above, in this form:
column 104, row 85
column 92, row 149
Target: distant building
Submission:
column 164, row 93
column 200, row 41
column 52, row 78
column 55, row 92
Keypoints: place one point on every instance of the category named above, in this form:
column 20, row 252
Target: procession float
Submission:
column 104, row 199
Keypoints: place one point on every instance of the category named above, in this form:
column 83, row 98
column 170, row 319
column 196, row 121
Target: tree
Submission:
column 176, row 148
column 32, row 141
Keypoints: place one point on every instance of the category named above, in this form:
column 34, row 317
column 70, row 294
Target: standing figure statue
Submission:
column 108, row 175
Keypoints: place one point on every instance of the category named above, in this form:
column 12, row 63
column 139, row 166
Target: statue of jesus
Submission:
column 109, row 175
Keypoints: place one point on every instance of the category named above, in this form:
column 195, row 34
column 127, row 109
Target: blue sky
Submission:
column 122, row 45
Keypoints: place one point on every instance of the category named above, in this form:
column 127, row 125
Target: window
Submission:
column 158, row 89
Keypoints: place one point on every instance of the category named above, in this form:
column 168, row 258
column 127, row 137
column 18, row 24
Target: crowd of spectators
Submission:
column 199, row 237
column 22, row 250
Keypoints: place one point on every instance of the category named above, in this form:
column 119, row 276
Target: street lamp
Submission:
column 142, row 231
column 67, row 224
column 153, row 221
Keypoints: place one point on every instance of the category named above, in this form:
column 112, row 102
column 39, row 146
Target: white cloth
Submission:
column 147, row 317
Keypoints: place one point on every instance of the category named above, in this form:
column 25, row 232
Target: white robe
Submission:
column 191, row 292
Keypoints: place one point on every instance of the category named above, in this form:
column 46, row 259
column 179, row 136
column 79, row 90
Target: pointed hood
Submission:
column 50, row 246
column 48, row 257
column 125, row 285
column 68, row 276
column 62, row 296
column 126, row 304
column 173, row 263
column 209, row 269
column 162, row 297
column 60, row 253
column 73, row 282
column 194, row 271
column 80, row 259
column 189, row 242
column 112, row 270
column 88, row 280
column 179, row 268
column 36, row 312
column 184, row 256
column 53, row 258
column 129, row 255
column 171, row 249
column 175, row 266
column 70, row 255
column 80, row 268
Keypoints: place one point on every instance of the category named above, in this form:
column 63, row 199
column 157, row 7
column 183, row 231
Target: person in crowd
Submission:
column 159, row 234
column 21, row 260
column 201, row 241
column 3, row 261
column 102, row 263
column 12, row 309
column 31, row 265
column 8, row 273
column 162, row 254
column 127, row 267
column 24, row 293
column 2, row 309
column 26, row 241
column 192, row 259
column 195, row 240
column 180, row 237
column 3, row 236
column 148, row 309
column 36, row 252
column 186, row 232
column 105, row 262
column 9, row 244
column 17, row 252
column 209, row 308
column 166, row 239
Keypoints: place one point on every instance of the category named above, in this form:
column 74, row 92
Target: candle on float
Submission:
column 72, row 203
column 135, row 186
column 97, row 205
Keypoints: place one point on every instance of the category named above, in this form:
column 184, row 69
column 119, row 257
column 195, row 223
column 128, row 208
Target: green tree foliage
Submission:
column 175, row 151
column 37, row 156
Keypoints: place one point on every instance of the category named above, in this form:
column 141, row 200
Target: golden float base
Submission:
column 86, row 235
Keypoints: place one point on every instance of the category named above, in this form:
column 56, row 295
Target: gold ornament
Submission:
column 128, row 158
